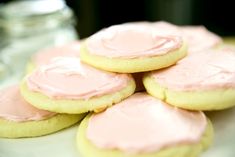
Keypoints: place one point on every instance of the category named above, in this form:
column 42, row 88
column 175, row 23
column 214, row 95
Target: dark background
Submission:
column 92, row 15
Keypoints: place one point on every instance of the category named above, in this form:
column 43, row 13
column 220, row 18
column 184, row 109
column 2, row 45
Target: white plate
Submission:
column 62, row 144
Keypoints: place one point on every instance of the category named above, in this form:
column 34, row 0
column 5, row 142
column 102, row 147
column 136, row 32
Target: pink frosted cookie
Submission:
column 66, row 85
column 199, row 38
column 130, row 48
column 144, row 126
column 20, row 119
column 202, row 81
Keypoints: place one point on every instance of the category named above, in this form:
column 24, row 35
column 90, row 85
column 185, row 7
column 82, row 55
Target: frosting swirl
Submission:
column 205, row 70
column 68, row 78
column 197, row 37
column 144, row 124
column 131, row 41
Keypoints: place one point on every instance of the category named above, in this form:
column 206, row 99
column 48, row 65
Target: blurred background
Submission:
column 92, row 15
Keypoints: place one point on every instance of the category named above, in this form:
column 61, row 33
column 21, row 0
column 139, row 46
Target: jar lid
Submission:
column 21, row 18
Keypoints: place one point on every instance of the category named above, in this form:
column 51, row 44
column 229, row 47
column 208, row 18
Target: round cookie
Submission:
column 68, row 86
column 201, row 81
column 19, row 119
column 144, row 127
column 44, row 57
column 132, row 48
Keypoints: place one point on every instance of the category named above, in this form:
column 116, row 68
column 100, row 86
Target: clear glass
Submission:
column 25, row 29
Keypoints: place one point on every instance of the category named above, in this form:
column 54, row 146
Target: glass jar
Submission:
column 27, row 26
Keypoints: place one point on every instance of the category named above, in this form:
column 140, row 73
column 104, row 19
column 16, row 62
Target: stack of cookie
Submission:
column 184, row 72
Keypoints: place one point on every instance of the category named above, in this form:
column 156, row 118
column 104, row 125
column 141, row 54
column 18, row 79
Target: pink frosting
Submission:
column 159, row 27
column 43, row 57
column 14, row 108
column 166, row 28
column 142, row 123
column 131, row 41
column 199, row 38
column 209, row 69
column 68, row 78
